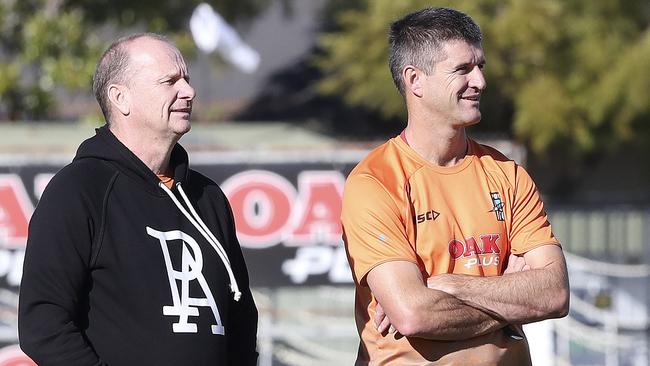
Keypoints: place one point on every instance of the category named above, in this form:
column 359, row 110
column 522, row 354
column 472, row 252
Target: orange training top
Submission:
column 167, row 180
column 462, row 219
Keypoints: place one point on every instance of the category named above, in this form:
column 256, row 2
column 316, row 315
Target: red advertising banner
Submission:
column 287, row 218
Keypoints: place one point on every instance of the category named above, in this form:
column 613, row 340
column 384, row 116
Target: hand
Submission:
column 443, row 282
column 382, row 323
column 516, row 263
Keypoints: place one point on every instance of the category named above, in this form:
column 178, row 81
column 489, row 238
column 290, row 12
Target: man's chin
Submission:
column 182, row 127
column 475, row 121
column 471, row 121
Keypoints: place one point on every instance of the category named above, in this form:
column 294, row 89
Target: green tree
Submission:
column 41, row 47
column 51, row 46
column 562, row 74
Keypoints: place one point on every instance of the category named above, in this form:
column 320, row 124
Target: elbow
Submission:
column 409, row 323
column 560, row 303
column 407, row 327
column 32, row 337
column 28, row 344
column 412, row 317
column 28, row 350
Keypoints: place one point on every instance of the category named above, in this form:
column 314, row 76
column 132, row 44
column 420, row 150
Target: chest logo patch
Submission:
column 183, row 306
column 427, row 216
column 497, row 206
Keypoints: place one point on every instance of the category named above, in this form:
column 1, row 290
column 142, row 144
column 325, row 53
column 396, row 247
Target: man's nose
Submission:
column 477, row 80
column 186, row 91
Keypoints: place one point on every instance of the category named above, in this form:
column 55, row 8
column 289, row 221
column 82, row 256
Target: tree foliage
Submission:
column 51, row 46
column 40, row 47
column 562, row 74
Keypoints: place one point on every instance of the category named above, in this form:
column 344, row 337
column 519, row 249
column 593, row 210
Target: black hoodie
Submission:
column 116, row 273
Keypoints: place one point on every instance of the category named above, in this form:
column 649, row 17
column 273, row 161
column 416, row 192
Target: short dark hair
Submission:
column 417, row 39
column 113, row 67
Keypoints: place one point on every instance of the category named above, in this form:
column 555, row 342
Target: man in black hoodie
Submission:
column 132, row 257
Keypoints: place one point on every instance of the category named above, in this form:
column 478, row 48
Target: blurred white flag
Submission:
column 211, row 32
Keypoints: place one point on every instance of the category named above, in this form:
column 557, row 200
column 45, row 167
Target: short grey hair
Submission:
column 113, row 68
column 417, row 39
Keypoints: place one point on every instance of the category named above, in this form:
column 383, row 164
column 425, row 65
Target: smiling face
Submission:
column 159, row 91
column 452, row 91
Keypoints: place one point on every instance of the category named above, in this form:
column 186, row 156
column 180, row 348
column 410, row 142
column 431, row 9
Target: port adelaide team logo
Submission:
column 497, row 206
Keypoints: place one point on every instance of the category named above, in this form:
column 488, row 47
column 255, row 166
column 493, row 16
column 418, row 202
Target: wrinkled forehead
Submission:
column 177, row 58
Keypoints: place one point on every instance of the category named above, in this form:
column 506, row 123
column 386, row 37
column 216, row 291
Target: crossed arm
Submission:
column 455, row 307
column 520, row 297
column 415, row 310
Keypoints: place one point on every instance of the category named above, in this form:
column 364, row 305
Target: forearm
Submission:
column 518, row 298
column 440, row 316
column 417, row 311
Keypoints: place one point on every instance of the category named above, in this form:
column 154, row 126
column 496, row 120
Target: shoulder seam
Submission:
column 99, row 238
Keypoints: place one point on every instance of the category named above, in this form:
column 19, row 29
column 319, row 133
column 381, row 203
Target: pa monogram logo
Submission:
column 183, row 306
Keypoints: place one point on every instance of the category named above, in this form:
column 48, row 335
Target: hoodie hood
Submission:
column 105, row 146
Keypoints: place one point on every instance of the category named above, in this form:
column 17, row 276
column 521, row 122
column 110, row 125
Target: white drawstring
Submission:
column 195, row 219
column 215, row 243
column 200, row 221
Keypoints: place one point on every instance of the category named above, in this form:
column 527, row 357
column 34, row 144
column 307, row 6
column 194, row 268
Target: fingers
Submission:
column 511, row 264
column 379, row 315
column 382, row 323
column 516, row 264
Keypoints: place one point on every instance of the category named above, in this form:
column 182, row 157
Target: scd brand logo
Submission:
column 427, row 216
column 269, row 210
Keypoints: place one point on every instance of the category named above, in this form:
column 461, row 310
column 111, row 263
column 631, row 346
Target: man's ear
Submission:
column 413, row 79
column 119, row 97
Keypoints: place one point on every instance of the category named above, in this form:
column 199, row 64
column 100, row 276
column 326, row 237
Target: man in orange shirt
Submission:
column 448, row 240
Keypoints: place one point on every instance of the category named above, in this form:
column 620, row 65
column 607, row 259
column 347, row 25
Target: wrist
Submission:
column 445, row 282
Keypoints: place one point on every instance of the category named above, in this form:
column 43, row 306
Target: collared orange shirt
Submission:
column 463, row 219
